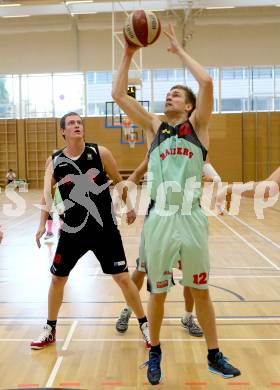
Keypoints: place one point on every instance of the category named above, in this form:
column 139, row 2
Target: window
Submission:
column 146, row 75
column 262, row 103
column 277, row 80
column 103, row 77
column 48, row 95
column 180, row 74
column 234, row 89
column 234, row 73
column 144, row 92
column 277, row 72
column 37, row 100
column 235, row 104
column 262, row 88
column 90, row 78
column 98, row 92
column 9, row 96
column 277, row 88
column 260, row 72
column 68, row 93
column 277, row 103
column 161, row 75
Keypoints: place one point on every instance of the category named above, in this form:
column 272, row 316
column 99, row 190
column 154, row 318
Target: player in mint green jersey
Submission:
column 176, row 227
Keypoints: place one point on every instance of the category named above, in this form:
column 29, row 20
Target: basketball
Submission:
column 142, row 28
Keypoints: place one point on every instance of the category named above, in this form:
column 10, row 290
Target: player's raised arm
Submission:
column 204, row 102
column 147, row 121
column 128, row 104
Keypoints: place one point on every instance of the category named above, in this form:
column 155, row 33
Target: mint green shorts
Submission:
column 165, row 240
column 141, row 260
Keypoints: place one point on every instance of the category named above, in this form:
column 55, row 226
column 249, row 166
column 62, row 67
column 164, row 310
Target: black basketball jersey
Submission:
column 84, row 188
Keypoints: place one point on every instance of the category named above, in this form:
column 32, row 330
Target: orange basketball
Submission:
column 142, row 28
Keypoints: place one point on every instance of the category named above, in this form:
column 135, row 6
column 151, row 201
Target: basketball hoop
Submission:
column 131, row 139
column 126, row 124
column 129, row 132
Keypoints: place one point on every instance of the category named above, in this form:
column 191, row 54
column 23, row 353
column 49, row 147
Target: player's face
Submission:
column 74, row 127
column 176, row 102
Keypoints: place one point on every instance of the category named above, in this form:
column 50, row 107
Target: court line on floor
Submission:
column 237, row 276
column 177, row 277
column 213, row 268
column 192, row 340
column 104, row 277
column 238, row 296
column 116, row 340
column 255, row 231
column 246, row 242
column 113, row 318
column 60, row 358
column 143, row 301
column 146, row 301
column 14, row 225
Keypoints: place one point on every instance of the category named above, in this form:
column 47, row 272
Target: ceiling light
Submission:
column 10, row 5
column 229, row 7
column 78, row 2
column 83, row 13
column 15, row 16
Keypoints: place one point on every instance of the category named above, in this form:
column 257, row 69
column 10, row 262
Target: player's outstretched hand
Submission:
column 222, row 201
column 175, row 46
column 130, row 49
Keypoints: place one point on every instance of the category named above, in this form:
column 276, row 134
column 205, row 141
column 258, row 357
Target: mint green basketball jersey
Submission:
column 176, row 159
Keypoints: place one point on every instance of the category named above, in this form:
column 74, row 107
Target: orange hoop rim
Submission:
column 127, row 122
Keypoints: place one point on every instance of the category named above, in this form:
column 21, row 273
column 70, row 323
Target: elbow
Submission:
column 116, row 95
column 207, row 82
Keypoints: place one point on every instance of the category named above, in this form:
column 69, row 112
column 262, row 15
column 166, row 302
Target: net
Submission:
column 129, row 131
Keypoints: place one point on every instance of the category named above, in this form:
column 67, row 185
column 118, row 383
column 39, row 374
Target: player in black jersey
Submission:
column 79, row 170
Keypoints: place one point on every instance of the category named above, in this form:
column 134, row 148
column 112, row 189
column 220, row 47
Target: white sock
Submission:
column 187, row 315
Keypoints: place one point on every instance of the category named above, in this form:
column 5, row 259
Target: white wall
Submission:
column 54, row 45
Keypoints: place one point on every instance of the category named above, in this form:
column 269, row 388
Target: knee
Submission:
column 58, row 281
column 138, row 277
column 158, row 298
column 200, row 295
column 123, row 279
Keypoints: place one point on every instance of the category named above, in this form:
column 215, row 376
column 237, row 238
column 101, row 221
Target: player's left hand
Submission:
column 175, row 46
column 40, row 232
column 222, row 201
column 130, row 217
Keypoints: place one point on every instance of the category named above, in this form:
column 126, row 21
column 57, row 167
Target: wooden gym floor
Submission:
column 90, row 354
